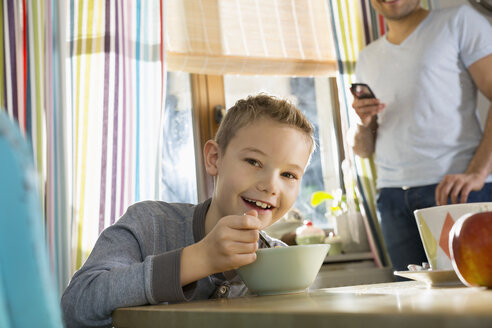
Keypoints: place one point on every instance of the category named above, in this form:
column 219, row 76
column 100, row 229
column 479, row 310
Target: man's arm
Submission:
column 460, row 185
column 364, row 141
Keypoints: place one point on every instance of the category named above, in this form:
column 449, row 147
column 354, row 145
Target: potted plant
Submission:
column 344, row 214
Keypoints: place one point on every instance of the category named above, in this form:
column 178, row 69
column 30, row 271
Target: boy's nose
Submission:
column 268, row 184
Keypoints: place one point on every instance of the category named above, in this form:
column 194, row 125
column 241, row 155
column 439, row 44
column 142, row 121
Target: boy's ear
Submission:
column 211, row 156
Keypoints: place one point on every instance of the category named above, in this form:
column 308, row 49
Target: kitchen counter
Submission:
column 396, row 304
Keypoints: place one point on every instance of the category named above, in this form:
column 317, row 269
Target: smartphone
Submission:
column 361, row 91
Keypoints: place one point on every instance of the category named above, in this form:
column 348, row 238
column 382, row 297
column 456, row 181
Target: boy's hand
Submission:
column 231, row 243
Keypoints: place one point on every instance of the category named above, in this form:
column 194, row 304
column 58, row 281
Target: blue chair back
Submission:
column 28, row 297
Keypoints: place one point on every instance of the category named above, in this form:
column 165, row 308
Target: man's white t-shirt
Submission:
column 430, row 126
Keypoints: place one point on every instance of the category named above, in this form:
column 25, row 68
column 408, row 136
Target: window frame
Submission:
column 207, row 92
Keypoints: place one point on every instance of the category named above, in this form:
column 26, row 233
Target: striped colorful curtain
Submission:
column 85, row 81
column 356, row 24
column 32, row 92
column 116, row 71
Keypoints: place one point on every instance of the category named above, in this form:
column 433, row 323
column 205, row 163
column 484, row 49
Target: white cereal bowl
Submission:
column 434, row 224
column 282, row 270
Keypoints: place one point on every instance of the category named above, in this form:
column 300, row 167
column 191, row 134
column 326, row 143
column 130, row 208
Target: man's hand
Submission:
column 458, row 187
column 367, row 108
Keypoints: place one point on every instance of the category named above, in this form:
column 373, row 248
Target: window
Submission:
column 178, row 178
column 240, row 37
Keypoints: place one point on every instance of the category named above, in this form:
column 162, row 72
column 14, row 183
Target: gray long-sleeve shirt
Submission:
column 136, row 261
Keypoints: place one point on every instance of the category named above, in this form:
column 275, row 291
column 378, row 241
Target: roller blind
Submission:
column 250, row 37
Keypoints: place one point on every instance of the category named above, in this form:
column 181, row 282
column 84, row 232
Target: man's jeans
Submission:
column 398, row 225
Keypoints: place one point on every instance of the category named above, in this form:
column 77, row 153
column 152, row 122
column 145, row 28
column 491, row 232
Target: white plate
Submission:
column 432, row 277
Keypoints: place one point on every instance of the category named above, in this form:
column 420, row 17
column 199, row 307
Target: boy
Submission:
column 159, row 252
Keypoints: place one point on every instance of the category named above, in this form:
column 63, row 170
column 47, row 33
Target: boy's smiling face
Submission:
column 261, row 169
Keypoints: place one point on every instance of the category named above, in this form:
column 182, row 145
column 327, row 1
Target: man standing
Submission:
column 423, row 127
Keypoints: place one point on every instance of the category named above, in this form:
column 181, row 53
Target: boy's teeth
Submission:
column 258, row 203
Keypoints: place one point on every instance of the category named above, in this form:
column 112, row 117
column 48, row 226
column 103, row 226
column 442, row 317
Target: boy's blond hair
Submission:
column 246, row 111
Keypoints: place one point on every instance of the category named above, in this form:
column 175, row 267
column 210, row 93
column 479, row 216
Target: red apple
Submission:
column 470, row 247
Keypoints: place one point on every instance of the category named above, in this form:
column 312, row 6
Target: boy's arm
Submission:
column 122, row 270
column 114, row 275
column 194, row 264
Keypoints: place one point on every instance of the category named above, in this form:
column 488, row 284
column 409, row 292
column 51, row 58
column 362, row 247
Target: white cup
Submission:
column 434, row 224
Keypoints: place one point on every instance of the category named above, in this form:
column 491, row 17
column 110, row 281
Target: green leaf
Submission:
column 320, row 196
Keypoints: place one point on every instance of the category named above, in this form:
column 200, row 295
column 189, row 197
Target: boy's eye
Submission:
column 253, row 162
column 289, row 175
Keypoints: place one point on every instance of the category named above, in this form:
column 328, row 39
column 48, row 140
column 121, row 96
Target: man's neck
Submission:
column 400, row 29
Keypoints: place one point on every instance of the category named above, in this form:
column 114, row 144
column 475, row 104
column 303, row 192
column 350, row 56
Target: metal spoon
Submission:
column 264, row 239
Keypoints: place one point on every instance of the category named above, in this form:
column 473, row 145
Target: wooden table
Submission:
column 398, row 304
